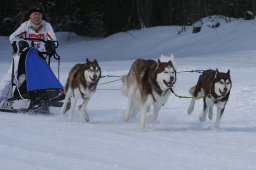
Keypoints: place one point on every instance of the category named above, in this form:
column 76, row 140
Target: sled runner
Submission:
column 35, row 87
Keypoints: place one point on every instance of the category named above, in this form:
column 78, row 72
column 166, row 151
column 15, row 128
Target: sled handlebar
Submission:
column 40, row 39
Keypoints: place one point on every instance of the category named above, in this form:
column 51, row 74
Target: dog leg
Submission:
column 154, row 116
column 83, row 109
column 193, row 100
column 219, row 114
column 143, row 112
column 195, row 91
column 128, row 112
column 191, row 106
column 73, row 104
column 202, row 118
column 135, row 110
column 208, row 103
column 124, row 88
column 220, row 110
column 67, row 97
column 210, row 115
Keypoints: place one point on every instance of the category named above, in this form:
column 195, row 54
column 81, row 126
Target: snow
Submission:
column 176, row 140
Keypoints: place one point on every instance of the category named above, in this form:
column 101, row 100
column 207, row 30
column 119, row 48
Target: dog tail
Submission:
column 124, row 88
column 71, row 77
column 191, row 90
column 199, row 93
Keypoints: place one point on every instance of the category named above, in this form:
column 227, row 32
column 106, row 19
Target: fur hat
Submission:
column 36, row 9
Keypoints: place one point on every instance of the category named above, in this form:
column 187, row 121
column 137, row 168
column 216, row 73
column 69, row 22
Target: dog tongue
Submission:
column 222, row 93
column 93, row 79
column 169, row 84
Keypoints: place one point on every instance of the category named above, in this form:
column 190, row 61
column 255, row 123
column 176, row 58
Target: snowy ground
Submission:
column 175, row 141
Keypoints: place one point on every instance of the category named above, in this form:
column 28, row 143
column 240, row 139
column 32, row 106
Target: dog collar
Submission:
column 164, row 93
column 216, row 99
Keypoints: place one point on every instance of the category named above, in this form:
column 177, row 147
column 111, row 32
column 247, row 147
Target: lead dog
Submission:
column 214, row 87
column 81, row 83
column 148, row 83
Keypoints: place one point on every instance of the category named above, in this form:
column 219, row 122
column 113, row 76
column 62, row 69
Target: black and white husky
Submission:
column 148, row 83
column 81, row 83
column 214, row 87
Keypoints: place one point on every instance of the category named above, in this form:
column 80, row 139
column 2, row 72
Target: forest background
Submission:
column 96, row 18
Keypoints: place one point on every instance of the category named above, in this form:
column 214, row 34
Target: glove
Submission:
column 49, row 47
column 20, row 45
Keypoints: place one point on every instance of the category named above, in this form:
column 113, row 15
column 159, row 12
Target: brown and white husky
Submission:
column 214, row 87
column 148, row 83
column 81, row 83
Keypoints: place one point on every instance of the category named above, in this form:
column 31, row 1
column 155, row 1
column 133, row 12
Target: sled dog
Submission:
column 214, row 87
column 148, row 83
column 81, row 83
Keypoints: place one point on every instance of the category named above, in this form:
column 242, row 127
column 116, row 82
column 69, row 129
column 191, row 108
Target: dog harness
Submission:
column 160, row 93
column 92, row 87
column 214, row 99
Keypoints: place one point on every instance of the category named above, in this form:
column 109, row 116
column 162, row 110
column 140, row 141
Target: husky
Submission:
column 148, row 83
column 214, row 87
column 81, row 83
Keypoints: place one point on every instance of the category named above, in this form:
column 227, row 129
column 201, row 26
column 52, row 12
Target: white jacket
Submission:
column 25, row 30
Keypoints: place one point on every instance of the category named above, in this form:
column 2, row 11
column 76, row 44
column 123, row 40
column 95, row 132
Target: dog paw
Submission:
column 210, row 116
column 202, row 119
column 142, row 128
column 70, row 118
column 151, row 118
column 62, row 110
column 86, row 117
column 217, row 126
column 81, row 109
column 190, row 110
column 126, row 117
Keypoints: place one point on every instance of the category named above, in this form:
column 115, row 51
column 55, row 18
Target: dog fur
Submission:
column 214, row 87
column 148, row 83
column 81, row 83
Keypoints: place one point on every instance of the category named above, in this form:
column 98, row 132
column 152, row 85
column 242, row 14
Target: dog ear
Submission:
column 216, row 73
column 170, row 63
column 87, row 60
column 228, row 72
column 95, row 61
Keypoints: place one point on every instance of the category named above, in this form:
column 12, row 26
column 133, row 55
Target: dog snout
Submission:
column 225, row 89
column 94, row 77
column 172, row 78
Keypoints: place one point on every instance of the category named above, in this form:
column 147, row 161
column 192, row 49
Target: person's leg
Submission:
column 5, row 85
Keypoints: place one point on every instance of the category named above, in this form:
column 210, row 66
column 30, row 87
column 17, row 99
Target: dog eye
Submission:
column 221, row 82
column 165, row 72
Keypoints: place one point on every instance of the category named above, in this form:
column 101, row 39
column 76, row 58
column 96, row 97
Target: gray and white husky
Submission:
column 214, row 87
column 81, row 83
column 148, row 83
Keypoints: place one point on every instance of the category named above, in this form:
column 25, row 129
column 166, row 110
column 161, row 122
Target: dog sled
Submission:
column 34, row 87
